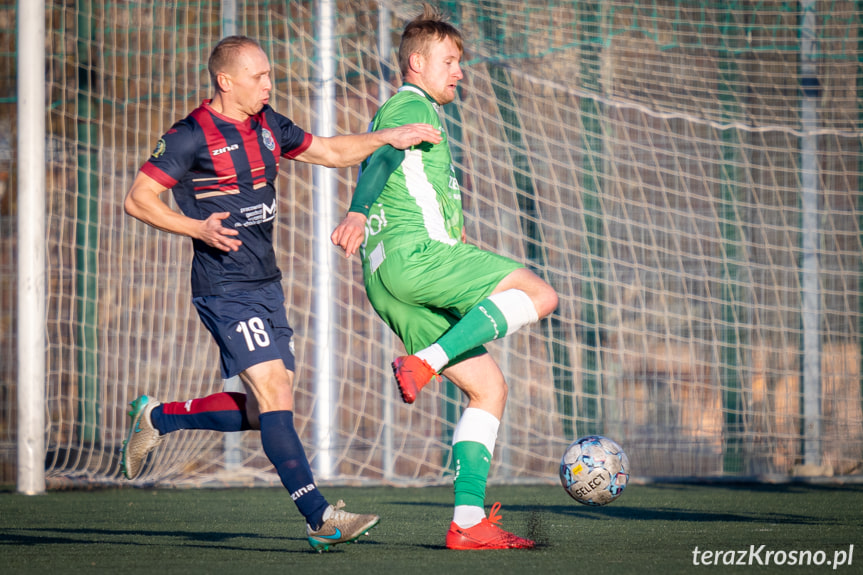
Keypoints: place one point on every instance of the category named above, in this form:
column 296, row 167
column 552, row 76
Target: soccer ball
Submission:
column 594, row 470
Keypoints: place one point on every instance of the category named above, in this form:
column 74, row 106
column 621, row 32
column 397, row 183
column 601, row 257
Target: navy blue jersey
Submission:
column 216, row 164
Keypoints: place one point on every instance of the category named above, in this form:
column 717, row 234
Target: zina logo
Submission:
column 226, row 149
column 302, row 491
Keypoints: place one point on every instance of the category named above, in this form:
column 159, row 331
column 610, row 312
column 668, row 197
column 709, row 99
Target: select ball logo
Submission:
column 594, row 470
column 583, row 485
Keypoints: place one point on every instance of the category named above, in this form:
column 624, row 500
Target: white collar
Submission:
column 413, row 89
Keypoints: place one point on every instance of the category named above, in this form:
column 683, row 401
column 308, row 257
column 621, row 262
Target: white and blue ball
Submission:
column 594, row 470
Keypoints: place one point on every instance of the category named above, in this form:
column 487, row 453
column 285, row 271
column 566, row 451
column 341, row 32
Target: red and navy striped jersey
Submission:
column 215, row 164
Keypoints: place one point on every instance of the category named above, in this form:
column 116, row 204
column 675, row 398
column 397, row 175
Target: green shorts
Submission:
column 421, row 291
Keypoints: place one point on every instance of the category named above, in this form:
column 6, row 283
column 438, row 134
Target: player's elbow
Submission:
column 131, row 206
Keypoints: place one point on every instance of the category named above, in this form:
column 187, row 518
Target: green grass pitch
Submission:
column 653, row 528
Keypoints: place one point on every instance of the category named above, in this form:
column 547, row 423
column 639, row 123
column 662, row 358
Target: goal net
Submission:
column 686, row 175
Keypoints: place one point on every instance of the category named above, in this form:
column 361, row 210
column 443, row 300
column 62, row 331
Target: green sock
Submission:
column 482, row 324
column 472, row 463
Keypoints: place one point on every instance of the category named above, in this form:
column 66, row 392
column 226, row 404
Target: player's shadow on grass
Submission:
column 617, row 511
column 791, row 486
column 679, row 515
column 257, row 542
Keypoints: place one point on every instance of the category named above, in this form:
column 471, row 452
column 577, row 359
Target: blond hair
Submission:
column 420, row 32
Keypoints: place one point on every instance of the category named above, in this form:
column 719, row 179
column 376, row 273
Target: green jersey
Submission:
column 419, row 276
column 421, row 199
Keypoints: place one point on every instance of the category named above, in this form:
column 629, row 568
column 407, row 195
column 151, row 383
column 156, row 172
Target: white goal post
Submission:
column 31, row 250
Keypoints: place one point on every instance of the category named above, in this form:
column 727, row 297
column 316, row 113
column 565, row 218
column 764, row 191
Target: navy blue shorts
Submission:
column 249, row 327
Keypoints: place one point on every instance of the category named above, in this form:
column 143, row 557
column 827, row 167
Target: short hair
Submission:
column 225, row 53
column 421, row 31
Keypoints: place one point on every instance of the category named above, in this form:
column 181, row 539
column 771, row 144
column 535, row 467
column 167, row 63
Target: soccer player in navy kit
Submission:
column 221, row 162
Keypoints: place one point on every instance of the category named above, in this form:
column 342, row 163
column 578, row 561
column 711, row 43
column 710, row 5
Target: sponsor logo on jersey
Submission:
column 269, row 142
column 453, row 182
column 268, row 212
column 226, row 149
column 376, row 223
column 257, row 214
column 160, row 148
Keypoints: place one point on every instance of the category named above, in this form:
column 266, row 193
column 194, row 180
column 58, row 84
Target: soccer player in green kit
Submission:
column 443, row 297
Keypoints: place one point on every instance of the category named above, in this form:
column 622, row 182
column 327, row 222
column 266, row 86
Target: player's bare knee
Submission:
column 545, row 301
column 504, row 393
column 543, row 296
column 495, row 393
column 282, row 395
column 271, row 386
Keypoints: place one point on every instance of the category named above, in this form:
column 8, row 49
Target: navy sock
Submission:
column 220, row 412
column 284, row 449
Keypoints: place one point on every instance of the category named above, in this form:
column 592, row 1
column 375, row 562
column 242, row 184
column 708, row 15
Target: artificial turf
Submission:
column 652, row 528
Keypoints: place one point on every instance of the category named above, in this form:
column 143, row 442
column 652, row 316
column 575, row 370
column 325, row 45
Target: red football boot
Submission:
column 485, row 535
column 413, row 374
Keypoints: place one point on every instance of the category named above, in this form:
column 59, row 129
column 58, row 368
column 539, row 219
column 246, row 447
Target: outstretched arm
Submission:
column 351, row 149
column 143, row 203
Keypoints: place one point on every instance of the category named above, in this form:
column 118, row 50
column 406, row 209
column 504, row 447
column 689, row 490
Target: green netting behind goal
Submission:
column 687, row 175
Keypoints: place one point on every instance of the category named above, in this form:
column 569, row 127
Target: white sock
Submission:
column 517, row 307
column 466, row 516
column 435, row 356
column 477, row 425
column 480, row 426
